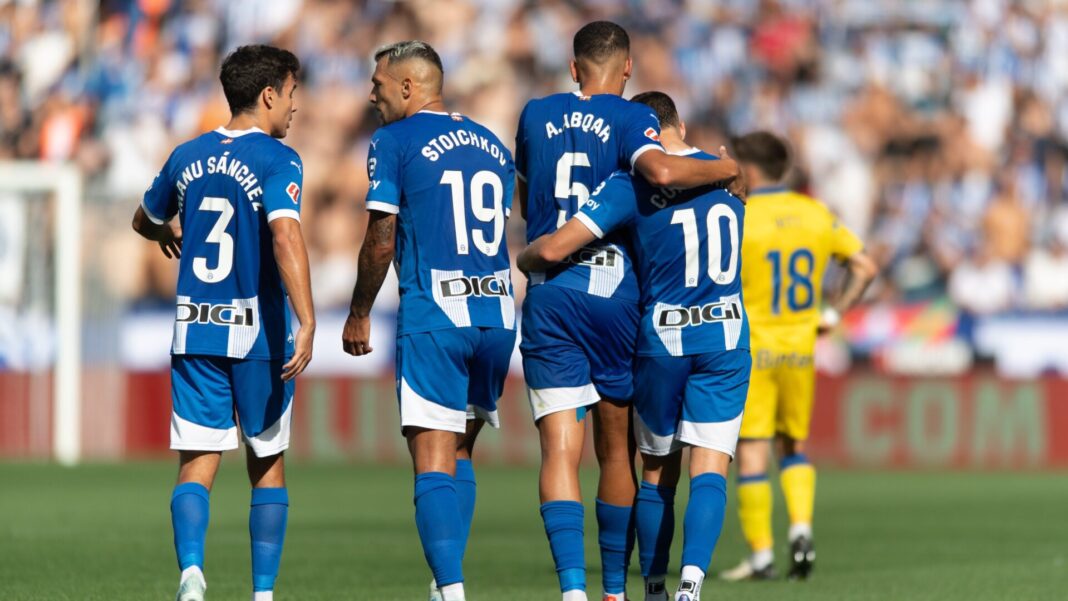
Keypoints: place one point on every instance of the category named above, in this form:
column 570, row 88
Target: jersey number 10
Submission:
column 687, row 218
column 494, row 213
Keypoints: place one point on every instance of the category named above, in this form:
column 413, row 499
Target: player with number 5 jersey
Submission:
column 692, row 369
column 440, row 192
column 580, row 318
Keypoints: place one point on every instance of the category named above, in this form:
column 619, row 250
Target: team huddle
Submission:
column 673, row 299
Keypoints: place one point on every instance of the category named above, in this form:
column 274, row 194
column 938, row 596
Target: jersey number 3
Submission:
column 217, row 235
column 494, row 213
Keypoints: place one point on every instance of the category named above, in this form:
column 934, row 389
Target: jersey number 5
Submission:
column 565, row 188
column 687, row 218
column 494, row 213
column 217, row 235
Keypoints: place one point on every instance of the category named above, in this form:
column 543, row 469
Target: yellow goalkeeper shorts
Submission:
column 781, row 391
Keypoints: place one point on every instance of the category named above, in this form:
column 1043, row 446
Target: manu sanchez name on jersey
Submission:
column 450, row 181
column 687, row 252
column 225, row 187
column 566, row 145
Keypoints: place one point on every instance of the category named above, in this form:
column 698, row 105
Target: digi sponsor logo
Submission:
column 651, row 134
column 594, row 257
column 682, row 317
column 489, row 285
column 293, row 190
column 220, row 315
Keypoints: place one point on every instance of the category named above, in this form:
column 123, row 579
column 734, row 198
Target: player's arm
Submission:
column 610, row 206
column 521, row 193
column 154, row 219
column 282, row 201
column 376, row 254
column 167, row 234
column 292, row 257
column 665, row 170
column 861, row 270
column 550, row 249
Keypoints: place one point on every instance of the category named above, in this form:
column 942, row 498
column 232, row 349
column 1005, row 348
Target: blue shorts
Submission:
column 693, row 400
column 206, row 393
column 577, row 348
column 445, row 377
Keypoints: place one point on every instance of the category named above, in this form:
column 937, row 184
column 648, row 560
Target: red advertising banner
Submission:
column 864, row 419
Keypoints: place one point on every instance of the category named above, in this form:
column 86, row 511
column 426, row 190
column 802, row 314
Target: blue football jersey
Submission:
column 225, row 186
column 450, row 182
column 688, row 252
column 566, row 145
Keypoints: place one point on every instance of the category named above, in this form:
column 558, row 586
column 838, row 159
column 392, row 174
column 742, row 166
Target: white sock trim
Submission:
column 799, row 530
column 453, row 592
column 693, row 573
column 575, row 595
column 190, row 572
column 263, row 596
column 761, row 559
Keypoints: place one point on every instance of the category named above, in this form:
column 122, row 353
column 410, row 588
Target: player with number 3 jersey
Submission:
column 233, row 196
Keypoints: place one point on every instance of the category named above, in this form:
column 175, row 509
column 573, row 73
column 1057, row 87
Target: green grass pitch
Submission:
column 103, row 533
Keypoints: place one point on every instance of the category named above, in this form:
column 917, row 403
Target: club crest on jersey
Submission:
column 489, row 285
column 651, row 134
column 220, row 315
column 293, row 190
column 681, row 317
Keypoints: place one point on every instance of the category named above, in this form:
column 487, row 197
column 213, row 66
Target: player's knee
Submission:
column 752, row 457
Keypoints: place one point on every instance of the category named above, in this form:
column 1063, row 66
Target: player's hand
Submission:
column 737, row 186
column 356, row 338
column 171, row 241
column 302, row 353
column 829, row 320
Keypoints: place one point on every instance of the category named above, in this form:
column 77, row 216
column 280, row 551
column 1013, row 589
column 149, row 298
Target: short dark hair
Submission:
column 663, row 105
column 600, row 40
column 408, row 49
column 249, row 69
column 765, row 150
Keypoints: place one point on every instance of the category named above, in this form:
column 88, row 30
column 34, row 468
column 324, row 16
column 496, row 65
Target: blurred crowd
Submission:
column 938, row 129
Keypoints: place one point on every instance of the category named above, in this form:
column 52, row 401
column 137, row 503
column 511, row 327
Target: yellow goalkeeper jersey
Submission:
column 789, row 238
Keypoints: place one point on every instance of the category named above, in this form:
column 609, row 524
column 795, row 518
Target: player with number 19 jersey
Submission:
column 449, row 180
column 692, row 371
column 579, row 318
column 225, row 187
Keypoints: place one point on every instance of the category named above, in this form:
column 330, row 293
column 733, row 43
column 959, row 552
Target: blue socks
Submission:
column 704, row 519
column 564, row 527
column 189, row 519
column 267, row 529
column 439, row 520
column 654, row 512
column 615, row 535
column 465, row 496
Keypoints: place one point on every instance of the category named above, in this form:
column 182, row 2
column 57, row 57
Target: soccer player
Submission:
column 790, row 238
column 692, row 368
column 440, row 192
column 236, row 194
column 580, row 318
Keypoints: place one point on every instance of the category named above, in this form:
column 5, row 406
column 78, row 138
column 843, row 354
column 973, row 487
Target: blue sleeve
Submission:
column 384, row 172
column 521, row 145
column 282, row 190
column 160, row 202
column 611, row 206
column 641, row 133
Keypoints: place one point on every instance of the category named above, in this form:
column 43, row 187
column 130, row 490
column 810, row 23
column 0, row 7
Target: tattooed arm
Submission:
column 375, row 256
